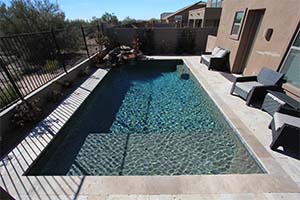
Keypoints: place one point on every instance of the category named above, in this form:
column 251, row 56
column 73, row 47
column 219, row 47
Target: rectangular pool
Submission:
column 149, row 118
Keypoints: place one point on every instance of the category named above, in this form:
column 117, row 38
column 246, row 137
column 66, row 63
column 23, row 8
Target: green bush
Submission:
column 52, row 66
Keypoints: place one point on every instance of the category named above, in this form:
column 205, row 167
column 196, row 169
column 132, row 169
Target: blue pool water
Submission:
column 147, row 119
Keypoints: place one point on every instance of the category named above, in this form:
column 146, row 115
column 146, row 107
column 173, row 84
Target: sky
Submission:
column 138, row 9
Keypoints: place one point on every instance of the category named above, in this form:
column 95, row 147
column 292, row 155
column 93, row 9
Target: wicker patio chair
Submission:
column 254, row 88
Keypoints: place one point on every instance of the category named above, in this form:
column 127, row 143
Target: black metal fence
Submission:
column 28, row 61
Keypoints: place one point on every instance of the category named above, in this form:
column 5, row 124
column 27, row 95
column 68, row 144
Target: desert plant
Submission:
column 54, row 96
column 64, row 84
column 27, row 113
column 101, row 40
column 52, row 66
column 7, row 95
column 102, row 43
column 136, row 44
column 84, row 72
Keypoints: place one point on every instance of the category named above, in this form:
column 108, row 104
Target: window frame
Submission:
column 216, row 3
column 291, row 47
column 237, row 35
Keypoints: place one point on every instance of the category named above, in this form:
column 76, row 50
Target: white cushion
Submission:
column 281, row 119
column 206, row 57
column 215, row 51
column 221, row 53
column 247, row 86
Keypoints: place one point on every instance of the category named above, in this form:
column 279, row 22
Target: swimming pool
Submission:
column 148, row 118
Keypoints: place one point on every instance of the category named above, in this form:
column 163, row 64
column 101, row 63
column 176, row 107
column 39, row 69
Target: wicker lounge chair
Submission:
column 218, row 59
column 286, row 130
column 254, row 88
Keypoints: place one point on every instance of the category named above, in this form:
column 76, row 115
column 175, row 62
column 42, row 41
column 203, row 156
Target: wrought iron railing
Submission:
column 29, row 61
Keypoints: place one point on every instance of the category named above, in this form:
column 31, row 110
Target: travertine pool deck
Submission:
column 282, row 180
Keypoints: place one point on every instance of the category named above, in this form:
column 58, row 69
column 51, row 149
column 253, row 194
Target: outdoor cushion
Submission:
column 247, row 86
column 206, row 58
column 276, row 99
column 215, row 51
column 281, row 119
column 221, row 53
column 269, row 77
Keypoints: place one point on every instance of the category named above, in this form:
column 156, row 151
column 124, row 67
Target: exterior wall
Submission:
column 163, row 15
column 213, row 13
column 197, row 13
column 282, row 17
column 209, row 16
column 209, row 3
column 165, row 39
column 211, row 43
column 185, row 14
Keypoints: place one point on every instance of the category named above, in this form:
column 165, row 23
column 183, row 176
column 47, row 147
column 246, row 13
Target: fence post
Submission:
column 84, row 39
column 98, row 28
column 58, row 51
column 11, row 79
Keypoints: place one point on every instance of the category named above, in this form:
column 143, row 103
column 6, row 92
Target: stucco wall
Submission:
column 281, row 16
column 165, row 39
column 185, row 14
column 211, row 43
column 212, row 13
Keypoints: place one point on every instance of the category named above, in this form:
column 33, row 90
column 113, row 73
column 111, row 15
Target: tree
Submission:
column 154, row 20
column 30, row 16
column 107, row 18
column 128, row 20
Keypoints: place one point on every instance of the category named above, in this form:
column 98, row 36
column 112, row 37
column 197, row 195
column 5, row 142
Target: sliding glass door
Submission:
column 291, row 65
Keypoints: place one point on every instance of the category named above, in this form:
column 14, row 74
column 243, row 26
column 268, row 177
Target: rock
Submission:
column 125, row 48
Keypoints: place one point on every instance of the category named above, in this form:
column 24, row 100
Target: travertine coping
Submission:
column 13, row 166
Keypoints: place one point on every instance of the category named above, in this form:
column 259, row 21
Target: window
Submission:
column 216, row 3
column 291, row 66
column 178, row 18
column 237, row 24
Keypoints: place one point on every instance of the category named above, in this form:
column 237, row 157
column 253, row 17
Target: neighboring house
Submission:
column 208, row 16
column 262, row 34
column 180, row 17
column 165, row 14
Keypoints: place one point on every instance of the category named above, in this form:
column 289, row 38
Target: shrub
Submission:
column 101, row 40
column 7, row 95
column 52, row 66
column 27, row 113
column 54, row 96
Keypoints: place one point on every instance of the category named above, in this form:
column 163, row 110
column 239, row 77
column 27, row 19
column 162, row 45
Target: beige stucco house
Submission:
column 262, row 33
column 181, row 16
column 208, row 16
